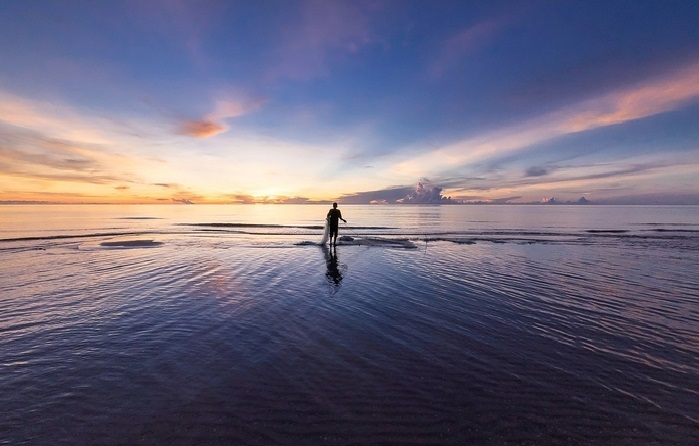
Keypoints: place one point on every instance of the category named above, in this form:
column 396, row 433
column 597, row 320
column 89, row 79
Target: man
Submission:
column 334, row 215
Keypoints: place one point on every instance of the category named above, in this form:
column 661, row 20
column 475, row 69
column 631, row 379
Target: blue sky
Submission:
column 303, row 101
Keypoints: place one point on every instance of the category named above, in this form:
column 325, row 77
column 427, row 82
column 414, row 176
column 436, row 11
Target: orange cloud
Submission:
column 202, row 129
column 212, row 124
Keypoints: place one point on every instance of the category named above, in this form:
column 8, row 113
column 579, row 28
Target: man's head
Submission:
column 334, row 205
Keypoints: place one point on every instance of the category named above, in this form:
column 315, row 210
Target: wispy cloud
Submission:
column 49, row 146
column 28, row 154
column 214, row 123
column 458, row 46
column 49, row 118
column 326, row 31
column 201, row 129
column 652, row 97
column 640, row 175
column 251, row 199
column 183, row 23
column 646, row 99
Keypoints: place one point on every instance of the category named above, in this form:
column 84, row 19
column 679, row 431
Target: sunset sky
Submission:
column 164, row 101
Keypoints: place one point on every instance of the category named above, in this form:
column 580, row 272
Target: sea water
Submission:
column 178, row 324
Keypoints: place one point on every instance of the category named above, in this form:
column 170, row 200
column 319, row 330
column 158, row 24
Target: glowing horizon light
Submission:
column 347, row 101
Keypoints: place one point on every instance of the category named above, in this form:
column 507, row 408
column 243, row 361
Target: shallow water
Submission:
column 503, row 325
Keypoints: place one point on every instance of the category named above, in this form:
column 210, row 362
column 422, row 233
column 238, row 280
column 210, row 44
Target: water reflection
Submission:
column 333, row 273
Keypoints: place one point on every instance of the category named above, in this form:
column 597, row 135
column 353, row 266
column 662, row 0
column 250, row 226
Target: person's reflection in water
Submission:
column 333, row 273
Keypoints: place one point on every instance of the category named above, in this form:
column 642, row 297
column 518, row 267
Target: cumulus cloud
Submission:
column 425, row 193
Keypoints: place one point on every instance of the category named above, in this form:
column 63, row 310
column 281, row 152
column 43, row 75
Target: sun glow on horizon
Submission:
column 323, row 108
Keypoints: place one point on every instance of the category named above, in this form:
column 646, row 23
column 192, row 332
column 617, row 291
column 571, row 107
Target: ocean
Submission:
column 228, row 324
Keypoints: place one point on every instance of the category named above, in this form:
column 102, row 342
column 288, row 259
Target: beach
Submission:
column 178, row 324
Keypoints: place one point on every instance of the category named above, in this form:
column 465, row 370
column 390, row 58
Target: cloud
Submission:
column 458, row 46
column 229, row 108
column 646, row 99
column 536, row 171
column 241, row 198
column 251, row 199
column 182, row 201
column 652, row 97
column 50, row 118
column 82, row 127
column 201, row 129
column 477, row 199
column 179, row 193
column 580, row 174
column 185, row 24
column 45, row 197
column 326, row 31
column 425, row 193
column 505, row 200
column 390, row 195
column 30, row 155
column 665, row 94
column 213, row 124
column 655, row 198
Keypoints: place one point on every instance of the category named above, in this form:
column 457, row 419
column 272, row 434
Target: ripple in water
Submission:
column 204, row 341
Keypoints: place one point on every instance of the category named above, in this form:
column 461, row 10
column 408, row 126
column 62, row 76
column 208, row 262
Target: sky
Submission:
column 167, row 101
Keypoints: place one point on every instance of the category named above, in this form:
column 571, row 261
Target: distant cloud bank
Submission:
column 426, row 193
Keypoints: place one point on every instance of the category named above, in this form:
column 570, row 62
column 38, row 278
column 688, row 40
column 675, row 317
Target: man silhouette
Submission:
column 334, row 215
